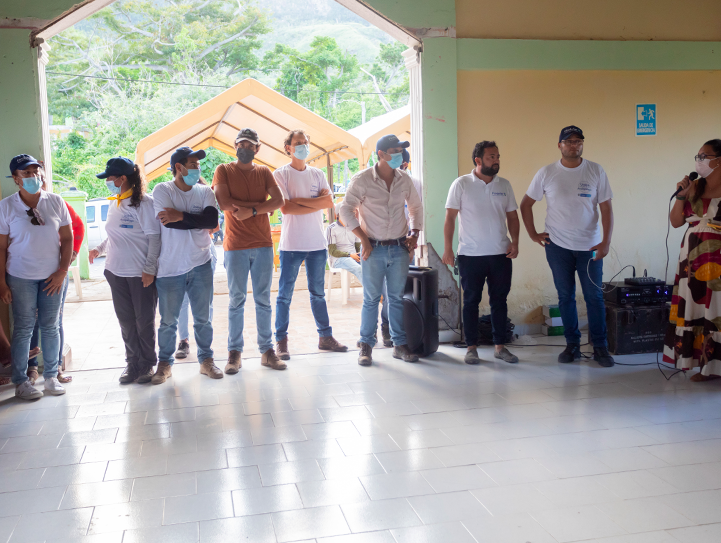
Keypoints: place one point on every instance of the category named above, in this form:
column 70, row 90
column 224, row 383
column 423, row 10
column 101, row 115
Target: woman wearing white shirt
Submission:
column 36, row 245
column 132, row 248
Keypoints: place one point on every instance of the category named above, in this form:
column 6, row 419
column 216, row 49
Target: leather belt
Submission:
column 400, row 242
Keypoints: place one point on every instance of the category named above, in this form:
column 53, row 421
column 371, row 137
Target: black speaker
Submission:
column 420, row 310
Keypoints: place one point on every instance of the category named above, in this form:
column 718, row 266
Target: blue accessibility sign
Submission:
column 646, row 119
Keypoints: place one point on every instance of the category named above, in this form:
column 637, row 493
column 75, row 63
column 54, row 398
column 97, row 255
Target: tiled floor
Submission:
column 331, row 452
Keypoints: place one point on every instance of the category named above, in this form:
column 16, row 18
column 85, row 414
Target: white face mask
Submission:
column 703, row 168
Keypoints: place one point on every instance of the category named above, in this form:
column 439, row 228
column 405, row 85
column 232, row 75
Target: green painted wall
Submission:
column 417, row 13
column 587, row 55
column 440, row 131
column 41, row 9
column 19, row 103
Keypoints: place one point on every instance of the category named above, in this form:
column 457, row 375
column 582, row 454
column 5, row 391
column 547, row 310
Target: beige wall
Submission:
column 693, row 20
column 524, row 112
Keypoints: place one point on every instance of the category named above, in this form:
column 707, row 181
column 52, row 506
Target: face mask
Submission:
column 704, row 168
column 245, row 155
column 192, row 177
column 112, row 188
column 32, row 184
column 302, row 151
column 396, row 160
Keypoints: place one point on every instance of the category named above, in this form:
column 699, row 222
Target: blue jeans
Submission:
column 564, row 265
column 347, row 263
column 389, row 263
column 183, row 317
column 290, row 262
column 35, row 341
column 259, row 264
column 198, row 283
column 29, row 300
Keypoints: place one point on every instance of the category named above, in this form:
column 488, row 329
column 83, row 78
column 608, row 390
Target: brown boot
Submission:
column 146, row 377
column 209, row 368
column 234, row 363
column 402, row 352
column 271, row 360
column 162, row 373
column 329, row 343
column 282, row 349
column 365, row 356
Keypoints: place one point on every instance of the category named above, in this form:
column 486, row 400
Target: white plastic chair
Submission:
column 344, row 283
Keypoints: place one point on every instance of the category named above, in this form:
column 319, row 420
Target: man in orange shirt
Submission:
column 248, row 192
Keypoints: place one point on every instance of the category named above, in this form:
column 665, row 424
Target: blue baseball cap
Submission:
column 117, row 166
column 389, row 142
column 183, row 153
column 406, row 156
column 21, row 162
column 570, row 131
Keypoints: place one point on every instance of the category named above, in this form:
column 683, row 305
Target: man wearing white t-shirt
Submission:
column 485, row 203
column 575, row 189
column 187, row 210
column 302, row 239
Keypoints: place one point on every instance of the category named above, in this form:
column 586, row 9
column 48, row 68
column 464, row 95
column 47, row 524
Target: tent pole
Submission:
column 329, row 170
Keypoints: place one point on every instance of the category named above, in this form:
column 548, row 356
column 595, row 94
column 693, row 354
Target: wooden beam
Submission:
column 75, row 14
column 379, row 20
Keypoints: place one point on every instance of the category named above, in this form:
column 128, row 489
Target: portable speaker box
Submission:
column 420, row 310
column 636, row 329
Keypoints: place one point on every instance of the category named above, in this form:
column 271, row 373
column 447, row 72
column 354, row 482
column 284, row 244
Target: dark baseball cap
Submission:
column 183, row 153
column 21, row 162
column 406, row 156
column 570, row 131
column 247, row 134
column 117, row 166
column 389, row 142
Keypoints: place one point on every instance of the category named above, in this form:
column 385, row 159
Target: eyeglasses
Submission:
column 702, row 157
column 573, row 142
column 35, row 217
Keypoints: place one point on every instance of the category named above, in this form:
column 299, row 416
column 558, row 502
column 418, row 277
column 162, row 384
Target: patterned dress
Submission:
column 693, row 337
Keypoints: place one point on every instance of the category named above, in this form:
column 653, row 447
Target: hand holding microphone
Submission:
column 684, row 187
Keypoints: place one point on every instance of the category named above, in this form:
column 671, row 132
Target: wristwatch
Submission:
column 255, row 212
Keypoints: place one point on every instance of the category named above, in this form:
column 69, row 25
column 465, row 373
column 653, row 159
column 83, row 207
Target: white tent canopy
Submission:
column 396, row 122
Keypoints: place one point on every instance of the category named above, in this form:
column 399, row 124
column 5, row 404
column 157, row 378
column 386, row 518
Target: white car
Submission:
column 96, row 215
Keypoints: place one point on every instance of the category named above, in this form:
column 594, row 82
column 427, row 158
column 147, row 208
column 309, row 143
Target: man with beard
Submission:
column 486, row 203
column 575, row 189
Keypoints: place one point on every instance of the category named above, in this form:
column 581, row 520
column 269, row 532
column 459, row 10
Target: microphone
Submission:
column 692, row 176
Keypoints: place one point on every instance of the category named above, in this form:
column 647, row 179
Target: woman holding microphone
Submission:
column 36, row 245
column 693, row 339
column 132, row 248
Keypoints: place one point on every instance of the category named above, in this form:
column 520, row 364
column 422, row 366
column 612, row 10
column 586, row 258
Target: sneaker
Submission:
column 33, row 374
column 282, row 348
column 53, row 387
column 234, row 363
column 602, row 356
column 183, row 349
column 505, row 355
column 386, row 334
column 572, row 353
column 365, row 356
column 162, row 373
column 271, row 360
column 472, row 357
column 209, row 368
column 25, row 391
column 402, row 352
column 129, row 375
column 329, row 343
column 146, row 377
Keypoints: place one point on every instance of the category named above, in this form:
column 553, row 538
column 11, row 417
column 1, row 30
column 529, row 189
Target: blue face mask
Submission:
column 112, row 188
column 192, row 177
column 302, row 151
column 396, row 160
column 32, row 184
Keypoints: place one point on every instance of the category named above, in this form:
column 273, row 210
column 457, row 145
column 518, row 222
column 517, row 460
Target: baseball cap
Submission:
column 247, row 134
column 406, row 156
column 117, row 166
column 182, row 153
column 570, row 131
column 21, row 162
column 389, row 141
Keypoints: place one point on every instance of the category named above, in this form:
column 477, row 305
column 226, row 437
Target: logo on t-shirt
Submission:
column 582, row 195
column 196, row 209
column 126, row 220
column 498, row 193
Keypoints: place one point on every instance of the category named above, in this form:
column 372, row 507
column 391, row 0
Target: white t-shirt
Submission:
column 482, row 207
column 182, row 250
column 128, row 229
column 301, row 232
column 342, row 237
column 33, row 250
column 572, row 198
